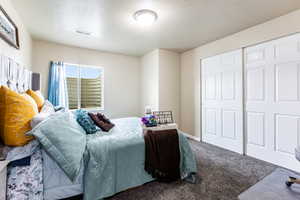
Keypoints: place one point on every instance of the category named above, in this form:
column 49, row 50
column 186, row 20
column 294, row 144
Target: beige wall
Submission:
column 22, row 55
column 187, row 94
column 150, row 81
column 160, row 81
column 169, row 82
column 190, row 62
column 121, row 74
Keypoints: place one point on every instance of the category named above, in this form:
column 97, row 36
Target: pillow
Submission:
column 39, row 118
column 31, row 100
column 48, row 107
column 60, row 108
column 38, row 97
column 46, row 111
column 15, row 116
column 86, row 122
column 103, row 118
column 105, row 126
column 64, row 140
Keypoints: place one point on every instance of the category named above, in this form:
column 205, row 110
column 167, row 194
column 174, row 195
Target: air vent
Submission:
column 83, row 32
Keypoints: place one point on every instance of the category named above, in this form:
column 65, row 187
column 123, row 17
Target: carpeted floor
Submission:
column 223, row 175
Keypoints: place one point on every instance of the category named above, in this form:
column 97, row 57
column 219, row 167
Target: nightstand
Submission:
column 161, row 127
column 3, row 165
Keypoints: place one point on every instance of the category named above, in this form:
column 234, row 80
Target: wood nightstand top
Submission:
column 161, row 127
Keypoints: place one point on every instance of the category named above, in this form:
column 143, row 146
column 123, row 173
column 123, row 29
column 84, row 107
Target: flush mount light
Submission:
column 145, row 17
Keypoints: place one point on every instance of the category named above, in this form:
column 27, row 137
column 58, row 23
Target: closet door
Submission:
column 272, row 83
column 222, row 102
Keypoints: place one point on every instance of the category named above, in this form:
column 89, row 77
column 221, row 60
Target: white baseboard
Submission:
column 191, row 136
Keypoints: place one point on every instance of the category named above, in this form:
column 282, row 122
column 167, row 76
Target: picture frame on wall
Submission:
column 8, row 29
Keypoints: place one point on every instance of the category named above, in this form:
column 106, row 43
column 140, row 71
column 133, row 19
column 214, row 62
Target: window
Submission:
column 85, row 86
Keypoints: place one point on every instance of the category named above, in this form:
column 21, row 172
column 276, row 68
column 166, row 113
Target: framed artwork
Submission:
column 8, row 29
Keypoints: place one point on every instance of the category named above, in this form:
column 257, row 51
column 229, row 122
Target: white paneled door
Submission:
column 272, row 95
column 222, row 100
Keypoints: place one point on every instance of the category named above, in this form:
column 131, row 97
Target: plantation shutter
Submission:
column 72, row 85
column 91, row 93
column 85, row 91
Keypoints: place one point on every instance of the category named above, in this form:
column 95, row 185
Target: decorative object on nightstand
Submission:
column 164, row 117
column 3, row 172
column 158, row 118
column 149, row 121
column 148, row 110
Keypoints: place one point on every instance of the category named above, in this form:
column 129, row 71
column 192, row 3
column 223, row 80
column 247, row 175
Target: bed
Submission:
column 100, row 166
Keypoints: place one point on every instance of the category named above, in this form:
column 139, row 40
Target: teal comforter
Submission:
column 113, row 161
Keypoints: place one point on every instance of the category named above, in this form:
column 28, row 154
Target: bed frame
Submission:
column 17, row 77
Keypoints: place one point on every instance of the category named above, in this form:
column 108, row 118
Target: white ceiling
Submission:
column 181, row 24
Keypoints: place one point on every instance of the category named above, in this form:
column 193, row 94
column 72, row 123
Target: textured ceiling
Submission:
column 181, row 24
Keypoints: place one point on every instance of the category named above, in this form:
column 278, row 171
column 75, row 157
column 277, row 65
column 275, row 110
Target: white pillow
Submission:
column 47, row 108
column 46, row 111
column 39, row 118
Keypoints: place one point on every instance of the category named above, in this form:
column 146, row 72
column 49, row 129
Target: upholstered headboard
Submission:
column 15, row 76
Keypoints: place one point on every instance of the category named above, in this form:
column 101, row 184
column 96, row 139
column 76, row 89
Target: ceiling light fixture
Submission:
column 145, row 17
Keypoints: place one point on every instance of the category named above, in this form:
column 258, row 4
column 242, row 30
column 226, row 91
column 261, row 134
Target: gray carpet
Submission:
column 223, row 175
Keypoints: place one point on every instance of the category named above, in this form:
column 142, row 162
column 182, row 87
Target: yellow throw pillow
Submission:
column 38, row 97
column 16, row 113
column 32, row 101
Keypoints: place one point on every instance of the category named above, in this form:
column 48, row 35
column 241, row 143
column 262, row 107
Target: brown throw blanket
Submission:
column 162, row 154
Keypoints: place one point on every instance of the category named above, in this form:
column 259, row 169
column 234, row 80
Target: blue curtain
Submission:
column 57, row 87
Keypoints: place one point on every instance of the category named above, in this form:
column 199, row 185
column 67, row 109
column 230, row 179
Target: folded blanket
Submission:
column 162, row 154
